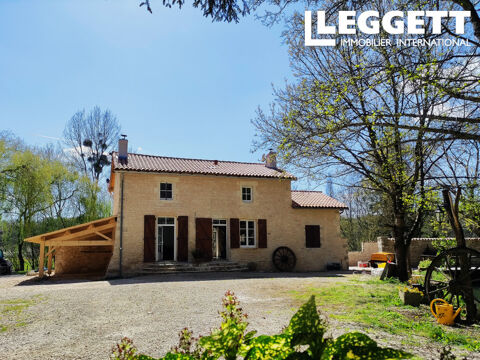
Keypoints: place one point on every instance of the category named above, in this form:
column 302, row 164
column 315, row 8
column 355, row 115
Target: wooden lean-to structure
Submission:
column 80, row 249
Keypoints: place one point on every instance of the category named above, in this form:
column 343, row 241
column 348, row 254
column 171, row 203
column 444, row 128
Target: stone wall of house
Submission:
column 219, row 197
column 418, row 247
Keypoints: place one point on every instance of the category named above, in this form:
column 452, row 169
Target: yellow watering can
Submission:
column 444, row 312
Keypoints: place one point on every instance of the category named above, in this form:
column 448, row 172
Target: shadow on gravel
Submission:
column 180, row 277
column 50, row 280
column 156, row 278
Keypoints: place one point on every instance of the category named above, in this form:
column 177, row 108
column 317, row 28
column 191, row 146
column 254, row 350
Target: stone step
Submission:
column 190, row 271
column 165, row 264
column 172, row 267
column 167, row 267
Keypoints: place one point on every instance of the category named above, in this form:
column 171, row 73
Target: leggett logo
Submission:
column 393, row 22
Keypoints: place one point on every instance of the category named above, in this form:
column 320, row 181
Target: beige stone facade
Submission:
column 220, row 197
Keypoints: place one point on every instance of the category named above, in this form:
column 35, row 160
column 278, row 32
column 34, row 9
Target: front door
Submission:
column 166, row 239
column 219, row 239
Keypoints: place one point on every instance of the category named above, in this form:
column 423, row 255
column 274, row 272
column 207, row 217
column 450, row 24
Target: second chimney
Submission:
column 271, row 159
column 123, row 149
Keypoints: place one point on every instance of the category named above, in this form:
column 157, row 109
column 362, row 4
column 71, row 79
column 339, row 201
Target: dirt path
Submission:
column 83, row 320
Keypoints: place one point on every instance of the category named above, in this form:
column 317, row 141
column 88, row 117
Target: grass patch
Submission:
column 12, row 311
column 376, row 304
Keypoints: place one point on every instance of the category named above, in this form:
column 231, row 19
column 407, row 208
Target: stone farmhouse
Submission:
column 175, row 210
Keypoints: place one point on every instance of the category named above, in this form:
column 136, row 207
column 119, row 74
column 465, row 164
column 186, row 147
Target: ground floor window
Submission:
column 312, row 236
column 247, row 233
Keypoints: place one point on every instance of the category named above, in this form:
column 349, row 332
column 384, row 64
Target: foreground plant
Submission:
column 302, row 339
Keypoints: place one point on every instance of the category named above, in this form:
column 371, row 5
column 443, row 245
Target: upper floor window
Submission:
column 247, row 233
column 247, row 194
column 166, row 191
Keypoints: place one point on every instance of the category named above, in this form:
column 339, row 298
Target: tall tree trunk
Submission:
column 401, row 256
column 401, row 248
column 21, row 261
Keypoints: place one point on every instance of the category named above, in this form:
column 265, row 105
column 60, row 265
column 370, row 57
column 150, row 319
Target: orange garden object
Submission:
column 444, row 312
column 382, row 256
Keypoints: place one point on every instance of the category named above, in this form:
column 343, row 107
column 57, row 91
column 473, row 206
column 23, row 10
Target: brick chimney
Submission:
column 271, row 159
column 123, row 149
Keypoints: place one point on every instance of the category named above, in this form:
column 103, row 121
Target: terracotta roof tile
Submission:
column 163, row 164
column 314, row 199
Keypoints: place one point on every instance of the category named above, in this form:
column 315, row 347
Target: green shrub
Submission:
column 443, row 244
column 424, row 264
column 303, row 338
column 231, row 339
column 125, row 350
column 356, row 345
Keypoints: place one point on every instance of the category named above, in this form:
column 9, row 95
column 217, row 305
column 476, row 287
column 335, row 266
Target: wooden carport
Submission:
column 98, row 233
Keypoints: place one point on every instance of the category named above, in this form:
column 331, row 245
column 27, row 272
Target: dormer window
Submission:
column 166, row 191
column 247, row 194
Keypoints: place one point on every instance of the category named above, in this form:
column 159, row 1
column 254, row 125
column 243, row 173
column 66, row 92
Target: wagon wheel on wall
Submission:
column 444, row 278
column 284, row 259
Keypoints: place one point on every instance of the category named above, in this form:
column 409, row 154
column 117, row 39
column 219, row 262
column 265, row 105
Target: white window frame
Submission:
column 246, row 229
column 163, row 198
column 251, row 194
column 219, row 222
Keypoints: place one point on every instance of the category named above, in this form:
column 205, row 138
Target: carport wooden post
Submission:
column 42, row 259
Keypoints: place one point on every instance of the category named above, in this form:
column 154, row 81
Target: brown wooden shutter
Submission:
column 234, row 233
column 149, row 238
column 262, row 233
column 312, row 236
column 182, row 239
column 203, row 228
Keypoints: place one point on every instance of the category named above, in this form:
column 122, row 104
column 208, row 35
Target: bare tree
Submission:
column 90, row 137
column 356, row 110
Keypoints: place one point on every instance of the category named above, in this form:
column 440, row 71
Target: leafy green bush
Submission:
column 424, row 264
column 302, row 339
column 443, row 244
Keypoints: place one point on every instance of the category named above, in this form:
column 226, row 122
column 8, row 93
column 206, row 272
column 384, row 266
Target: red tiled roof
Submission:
column 314, row 199
column 163, row 164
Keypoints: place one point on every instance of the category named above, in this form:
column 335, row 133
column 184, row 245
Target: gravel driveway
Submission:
column 84, row 319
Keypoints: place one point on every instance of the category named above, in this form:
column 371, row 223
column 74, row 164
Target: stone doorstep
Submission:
column 163, row 264
column 190, row 271
column 199, row 268
column 172, row 267
column 209, row 268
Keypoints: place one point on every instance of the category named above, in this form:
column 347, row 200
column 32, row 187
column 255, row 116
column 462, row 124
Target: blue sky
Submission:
column 179, row 84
